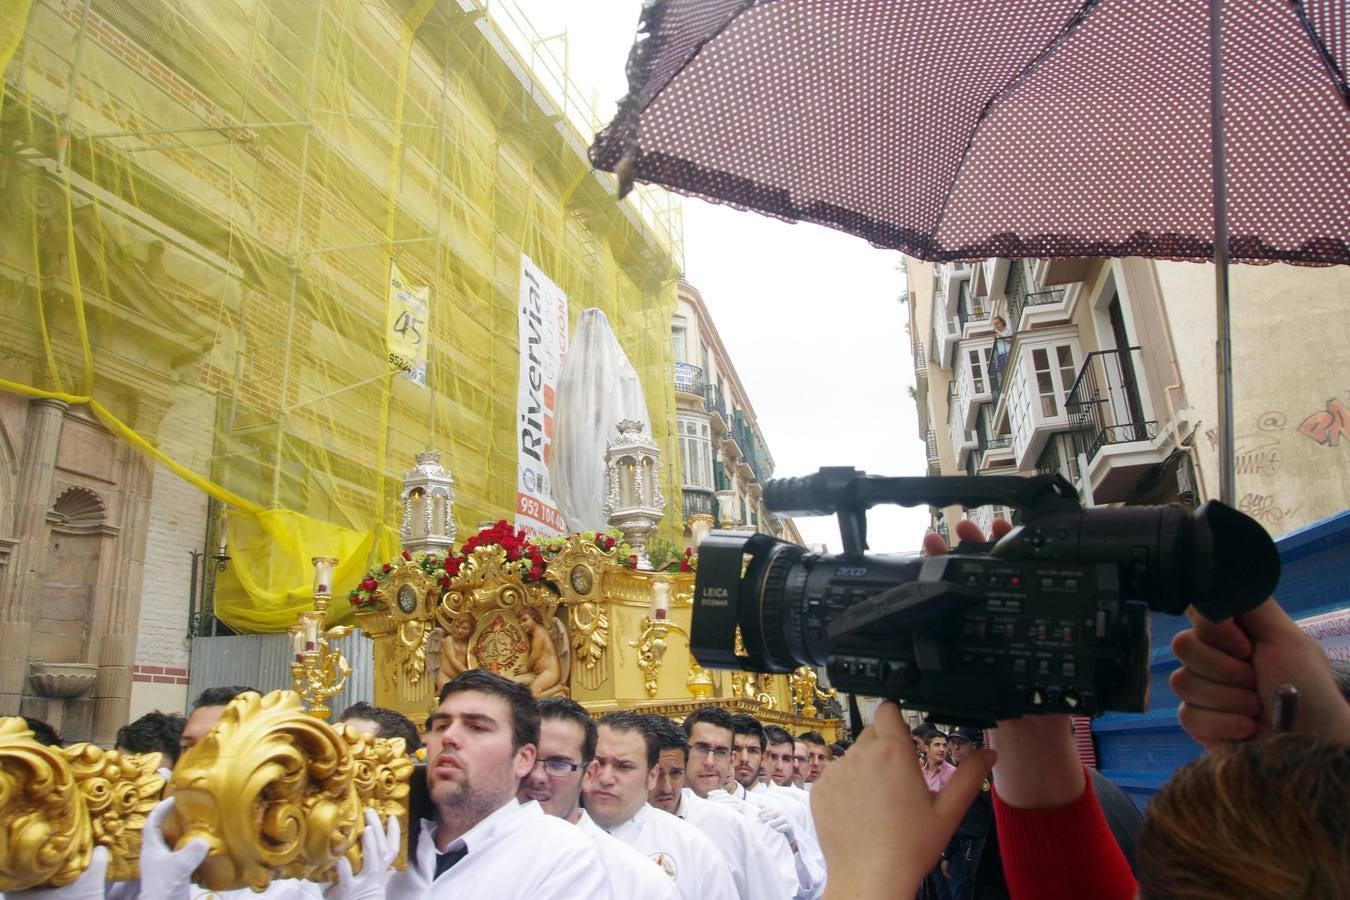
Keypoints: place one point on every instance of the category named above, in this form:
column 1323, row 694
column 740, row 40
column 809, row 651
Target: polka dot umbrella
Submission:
column 965, row 129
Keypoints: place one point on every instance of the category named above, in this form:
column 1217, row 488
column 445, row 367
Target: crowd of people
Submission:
column 536, row 798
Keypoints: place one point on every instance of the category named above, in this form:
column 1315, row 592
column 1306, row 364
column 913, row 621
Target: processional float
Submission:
column 277, row 792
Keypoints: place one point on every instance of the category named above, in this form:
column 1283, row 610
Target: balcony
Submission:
column 931, row 445
column 1059, row 458
column 972, row 315
column 946, row 331
column 714, row 404
column 1033, row 381
column 973, row 385
column 920, row 363
column 964, row 439
column 1108, row 417
column 699, row 502
column 996, row 452
column 689, row 379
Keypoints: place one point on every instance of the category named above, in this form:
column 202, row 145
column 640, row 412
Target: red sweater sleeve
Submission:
column 1064, row 853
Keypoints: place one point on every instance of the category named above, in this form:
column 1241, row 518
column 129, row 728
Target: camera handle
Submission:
column 847, row 493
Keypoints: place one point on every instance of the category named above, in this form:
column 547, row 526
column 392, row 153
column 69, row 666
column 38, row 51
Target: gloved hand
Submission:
column 416, row 879
column 89, row 886
column 166, row 874
column 779, row 823
column 379, row 849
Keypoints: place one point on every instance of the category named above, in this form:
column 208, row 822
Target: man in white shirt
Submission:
column 566, row 759
column 616, row 798
column 481, row 742
column 760, row 856
column 784, row 814
column 780, row 752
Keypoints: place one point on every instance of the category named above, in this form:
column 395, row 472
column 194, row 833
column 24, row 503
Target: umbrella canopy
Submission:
column 975, row 128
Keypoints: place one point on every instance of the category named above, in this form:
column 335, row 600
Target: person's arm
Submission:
column 1061, row 852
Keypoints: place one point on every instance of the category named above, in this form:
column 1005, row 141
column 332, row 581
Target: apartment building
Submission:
column 724, row 459
column 1102, row 370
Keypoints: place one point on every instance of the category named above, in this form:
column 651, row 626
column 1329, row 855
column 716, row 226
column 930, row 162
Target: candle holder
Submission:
column 651, row 649
column 319, row 670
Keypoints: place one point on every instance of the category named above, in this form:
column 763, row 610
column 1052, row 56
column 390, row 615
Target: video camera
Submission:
column 1050, row 618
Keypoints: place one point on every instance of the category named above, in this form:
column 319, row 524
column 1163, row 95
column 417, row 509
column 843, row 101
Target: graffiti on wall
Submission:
column 1266, row 510
column 1327, row 426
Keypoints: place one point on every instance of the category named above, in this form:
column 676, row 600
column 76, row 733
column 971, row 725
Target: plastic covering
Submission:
column 203, row 204
column 597, row 388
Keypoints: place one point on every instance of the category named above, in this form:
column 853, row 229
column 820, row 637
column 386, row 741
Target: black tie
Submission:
column 445, row 861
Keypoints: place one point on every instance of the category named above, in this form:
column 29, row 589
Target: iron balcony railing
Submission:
column 1105, row 404
column 698, row 502
column 931, row 444
column 689, row 379
column 1019, row 300
column 988, row 445
column 970, row 310
column 999, row 371
column 713, row 402
column 920, row 361
column 1060, row 458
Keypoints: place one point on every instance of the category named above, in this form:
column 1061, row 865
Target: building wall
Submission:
column 1291, row 390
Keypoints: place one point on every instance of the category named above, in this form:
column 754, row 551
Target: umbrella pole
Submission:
column 1224, row 345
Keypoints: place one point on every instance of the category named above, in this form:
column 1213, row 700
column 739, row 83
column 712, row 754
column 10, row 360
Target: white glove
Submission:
column 778, row 822
column 415, row 881
column 167, row 874
column 89, row 886
column 379, row 849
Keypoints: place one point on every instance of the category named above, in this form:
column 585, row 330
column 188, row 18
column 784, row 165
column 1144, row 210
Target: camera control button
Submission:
column 1020, row 666
column 1070, row 669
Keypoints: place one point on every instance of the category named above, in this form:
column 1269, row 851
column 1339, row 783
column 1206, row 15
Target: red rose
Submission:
column 407, row 556
column 688, row 551
column 452, row 566
column 609, row 543
column 386, row 568
column 685, row 567
column 632, row 560
column 369, row 584
column 445, row 583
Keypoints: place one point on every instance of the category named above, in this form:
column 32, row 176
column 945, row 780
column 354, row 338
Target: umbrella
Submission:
column 965, row 129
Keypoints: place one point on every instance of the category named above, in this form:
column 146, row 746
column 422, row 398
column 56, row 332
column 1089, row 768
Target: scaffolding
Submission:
column 206, row 201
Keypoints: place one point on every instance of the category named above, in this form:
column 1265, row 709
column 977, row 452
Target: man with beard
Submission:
column 566, row 759
column 616, row 798
column 789, row 818
column 482, row 740
column 760, row 857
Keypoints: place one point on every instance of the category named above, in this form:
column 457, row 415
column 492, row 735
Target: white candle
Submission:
column 323, row 575
column 297, row 642
column 311, row 633
column 660, row 600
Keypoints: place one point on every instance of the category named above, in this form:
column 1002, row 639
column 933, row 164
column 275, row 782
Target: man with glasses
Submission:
column 566, row 759
column 801, row 763
column 759, row 857
column 481, row 742
column 616, row 798
column 817, row 755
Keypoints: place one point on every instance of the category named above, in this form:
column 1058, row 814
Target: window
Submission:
column 696, row 453
column 981, row 363
column 1053, row 382
column 678, row 339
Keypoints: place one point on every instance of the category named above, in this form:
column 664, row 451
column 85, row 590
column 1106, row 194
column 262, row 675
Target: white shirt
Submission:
column 753, row 865
column 773, row 842
column 630, row 873
column 280, row 889
column 769, row 796
column 518, row 851
column 684, row 852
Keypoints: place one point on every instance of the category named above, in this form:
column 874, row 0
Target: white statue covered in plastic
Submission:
column 597, row 387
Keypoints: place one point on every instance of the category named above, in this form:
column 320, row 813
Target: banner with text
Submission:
column 543, row 343
column 406, row 331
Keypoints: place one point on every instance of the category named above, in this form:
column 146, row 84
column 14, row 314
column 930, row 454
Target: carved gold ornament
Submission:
column 57, row 804
column 277, row 793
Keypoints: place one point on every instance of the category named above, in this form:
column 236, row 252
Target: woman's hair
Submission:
column 1268, row 818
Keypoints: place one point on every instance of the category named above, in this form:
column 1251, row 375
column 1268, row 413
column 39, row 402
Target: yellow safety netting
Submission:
column 203, row 206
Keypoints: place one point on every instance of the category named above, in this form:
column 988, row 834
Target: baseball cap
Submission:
column 974, row 735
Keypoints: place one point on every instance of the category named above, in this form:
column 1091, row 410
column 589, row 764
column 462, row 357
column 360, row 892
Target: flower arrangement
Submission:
column 531, row 555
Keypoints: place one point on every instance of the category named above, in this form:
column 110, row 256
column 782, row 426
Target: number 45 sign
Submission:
column 406, row 334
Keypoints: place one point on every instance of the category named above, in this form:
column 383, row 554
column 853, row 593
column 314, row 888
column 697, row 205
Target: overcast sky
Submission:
column 810, row 316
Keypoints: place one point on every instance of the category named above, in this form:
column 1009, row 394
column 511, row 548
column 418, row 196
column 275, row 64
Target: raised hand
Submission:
column 882, row 835
column 379, row 849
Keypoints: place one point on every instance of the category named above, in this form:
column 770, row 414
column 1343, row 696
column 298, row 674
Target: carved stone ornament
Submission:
column 634, row 502
column 58, row 804
column 579, row 572
column 277, row 793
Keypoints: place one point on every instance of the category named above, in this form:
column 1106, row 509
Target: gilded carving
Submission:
column 271, row 791
column 45, row 838
column 119, row 790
